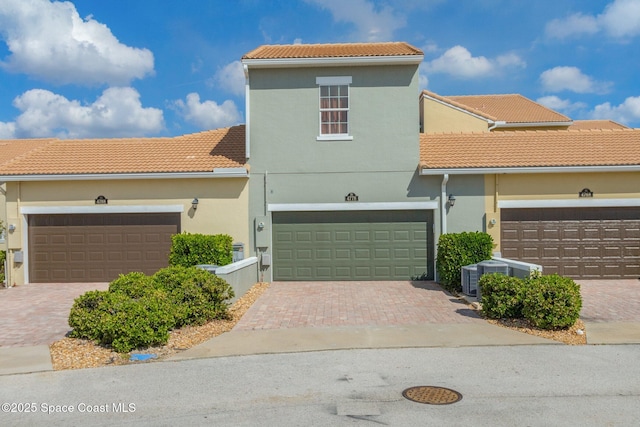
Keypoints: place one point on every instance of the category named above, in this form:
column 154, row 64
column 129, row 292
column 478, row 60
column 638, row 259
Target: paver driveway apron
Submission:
column 331, row 304
column 38, row 313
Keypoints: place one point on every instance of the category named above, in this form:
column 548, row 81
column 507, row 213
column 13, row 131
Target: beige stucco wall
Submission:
column 438, row 117
column 561, row 187
column 222, row 208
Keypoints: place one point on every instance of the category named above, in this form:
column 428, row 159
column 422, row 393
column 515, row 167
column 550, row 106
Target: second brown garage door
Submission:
column 98, row 247
column 586, row 243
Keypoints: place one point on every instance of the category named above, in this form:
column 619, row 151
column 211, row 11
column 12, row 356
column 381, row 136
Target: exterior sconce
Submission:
column 451, row 200
column 11, row 228
column 194, row 203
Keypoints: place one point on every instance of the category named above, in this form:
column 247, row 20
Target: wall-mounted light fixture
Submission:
column 451, row 200
column 194, row 203
column 11, row 228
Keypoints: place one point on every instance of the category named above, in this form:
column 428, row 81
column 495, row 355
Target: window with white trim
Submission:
column 334, row 107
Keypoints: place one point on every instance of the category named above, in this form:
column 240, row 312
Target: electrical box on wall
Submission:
column 263, row 234
column 18, row 257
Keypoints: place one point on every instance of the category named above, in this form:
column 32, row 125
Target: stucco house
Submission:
column 87, row 210
column 333, row 145
column 550, row 191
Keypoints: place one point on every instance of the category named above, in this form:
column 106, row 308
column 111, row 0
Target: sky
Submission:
column 136, row 68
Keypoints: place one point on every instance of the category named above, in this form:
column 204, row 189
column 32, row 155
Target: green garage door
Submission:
column 362, row 245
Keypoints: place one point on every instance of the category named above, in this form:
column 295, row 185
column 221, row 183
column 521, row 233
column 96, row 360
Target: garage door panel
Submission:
column 96, row 247
column 362, row 245
column 590, row 243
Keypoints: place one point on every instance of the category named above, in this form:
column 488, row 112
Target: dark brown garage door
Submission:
column 96, row 247
column 575, row 242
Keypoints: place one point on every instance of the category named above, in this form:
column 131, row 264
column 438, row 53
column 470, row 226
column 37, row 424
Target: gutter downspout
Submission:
column 443, row 204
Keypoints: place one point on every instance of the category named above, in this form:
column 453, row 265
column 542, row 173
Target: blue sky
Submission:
column 123, row 68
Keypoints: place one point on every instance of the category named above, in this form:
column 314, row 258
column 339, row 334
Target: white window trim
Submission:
column 334, row 81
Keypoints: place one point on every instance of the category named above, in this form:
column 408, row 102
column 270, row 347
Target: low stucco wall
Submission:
column 241, row 275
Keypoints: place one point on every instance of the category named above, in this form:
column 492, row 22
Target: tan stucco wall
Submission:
column 222, row 208
column 554, row 186
column 437, row 117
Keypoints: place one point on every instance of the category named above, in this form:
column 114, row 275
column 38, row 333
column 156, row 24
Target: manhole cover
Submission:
column 432, row 395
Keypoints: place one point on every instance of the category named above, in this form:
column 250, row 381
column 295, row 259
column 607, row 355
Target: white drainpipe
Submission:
column 443, row 204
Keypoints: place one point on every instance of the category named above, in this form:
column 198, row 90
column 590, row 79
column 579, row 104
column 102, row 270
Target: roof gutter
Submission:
column 333, row 61
column 542, row 169
column 216, row 173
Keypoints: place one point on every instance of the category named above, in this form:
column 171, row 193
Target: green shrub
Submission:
column 502, row 296
column 3, row 257
column 456, row 250
column 194, row 249
column 123, row 323
column 138, row 311
column 134, row 285
column 198, row 295
column 138, row 323
column 552, row 302
column 88, row 313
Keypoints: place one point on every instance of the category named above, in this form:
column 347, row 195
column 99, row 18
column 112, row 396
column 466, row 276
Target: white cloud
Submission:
column 7, row 130
column 627, row 112
column 117, row 112
column 562, row 105
column 372, row 23
column 459, row 62
column 208, row 114
column 571, row 78
column 620, row 19
column 50, row 41
column 231, row 78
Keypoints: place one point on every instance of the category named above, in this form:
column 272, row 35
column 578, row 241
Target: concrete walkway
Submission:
column 304, row 316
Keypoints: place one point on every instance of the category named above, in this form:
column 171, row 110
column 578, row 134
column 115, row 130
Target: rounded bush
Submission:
column 501, row 296
column 88, row 313
column 134, row 285
column 199, row 296
column 552, row 302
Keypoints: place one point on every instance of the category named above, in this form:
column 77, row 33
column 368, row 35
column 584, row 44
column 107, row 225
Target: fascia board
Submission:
column 217, row 173
column 333, row 61
column 555, row 169
column 531, row 124
column 568, row 203
column 351, row 206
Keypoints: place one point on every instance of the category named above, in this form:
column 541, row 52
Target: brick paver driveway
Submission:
column 610, row 300
column 328, row 304
column 38, row 313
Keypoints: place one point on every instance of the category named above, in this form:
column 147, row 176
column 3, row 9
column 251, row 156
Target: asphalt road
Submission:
column 500, row 386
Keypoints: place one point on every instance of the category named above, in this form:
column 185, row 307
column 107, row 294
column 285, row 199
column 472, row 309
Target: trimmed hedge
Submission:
column 189, row 249
column 455, row 250
column 547, row 302
column 552, row 302
column 501, row 296
column 138, row 311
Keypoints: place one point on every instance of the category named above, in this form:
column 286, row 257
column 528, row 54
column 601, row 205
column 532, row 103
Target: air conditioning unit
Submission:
column 488, row 267
column 469, row 279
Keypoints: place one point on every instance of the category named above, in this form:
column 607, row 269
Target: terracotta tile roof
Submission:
column 340, row 50
column 596, row 124
column 12, row 148
column 554, row 148
column 199, row 152
column 510, row 108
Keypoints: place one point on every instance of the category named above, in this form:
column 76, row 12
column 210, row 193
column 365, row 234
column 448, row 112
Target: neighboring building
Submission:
column 566, row 199
column 88, row 210
column 333, row 145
